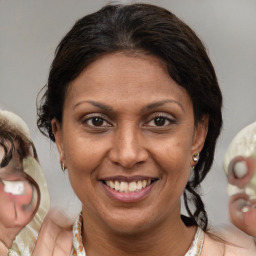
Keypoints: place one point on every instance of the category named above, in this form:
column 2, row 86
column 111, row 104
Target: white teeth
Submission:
column 111, row 184
column 144, row 183
column 139, row 185
column 125, row 187
column 132, row 186
column 14, row 187
column 240, row 169
column 246, row 209
column 117, row 185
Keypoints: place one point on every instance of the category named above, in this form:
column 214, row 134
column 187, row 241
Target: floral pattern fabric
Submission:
column 78, row 249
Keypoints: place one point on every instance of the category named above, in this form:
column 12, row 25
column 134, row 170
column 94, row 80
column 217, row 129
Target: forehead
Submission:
column 126, row 78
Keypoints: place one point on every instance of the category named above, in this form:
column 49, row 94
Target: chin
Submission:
column 130, row 227
column 133, row 222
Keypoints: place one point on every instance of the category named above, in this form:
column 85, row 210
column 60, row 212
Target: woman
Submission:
column 133, row 104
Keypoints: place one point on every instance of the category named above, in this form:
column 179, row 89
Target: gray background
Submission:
column 31, row 29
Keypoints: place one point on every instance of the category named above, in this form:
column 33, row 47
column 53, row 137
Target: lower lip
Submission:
column 128, row 197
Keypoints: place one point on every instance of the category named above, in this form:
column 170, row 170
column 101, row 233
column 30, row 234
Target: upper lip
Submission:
column 128, row 178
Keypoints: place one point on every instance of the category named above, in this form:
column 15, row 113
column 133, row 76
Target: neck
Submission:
column 168, row 238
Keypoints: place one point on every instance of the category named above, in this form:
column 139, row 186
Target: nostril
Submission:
column 240, row 169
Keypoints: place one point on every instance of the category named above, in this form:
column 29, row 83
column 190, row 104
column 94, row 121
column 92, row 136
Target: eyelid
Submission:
column 167, row 116
column 88, row 117
column 162, row 114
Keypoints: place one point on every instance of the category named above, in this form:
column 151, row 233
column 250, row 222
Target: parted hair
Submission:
column 151, row 30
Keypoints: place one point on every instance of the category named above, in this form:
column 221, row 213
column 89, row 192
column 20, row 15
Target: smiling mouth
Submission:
column 128, row 187
column 242, row 202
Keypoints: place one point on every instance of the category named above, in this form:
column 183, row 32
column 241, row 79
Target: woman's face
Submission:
column 127, row 139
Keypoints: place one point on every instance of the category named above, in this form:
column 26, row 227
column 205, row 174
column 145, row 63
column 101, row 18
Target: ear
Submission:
column 57, row 131
column 199, row 137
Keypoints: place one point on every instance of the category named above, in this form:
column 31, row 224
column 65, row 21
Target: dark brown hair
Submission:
column 152, row 30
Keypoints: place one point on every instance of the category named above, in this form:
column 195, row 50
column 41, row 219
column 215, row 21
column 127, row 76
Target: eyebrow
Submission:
column 161, row 103
column 145, row 109
column 96, row 104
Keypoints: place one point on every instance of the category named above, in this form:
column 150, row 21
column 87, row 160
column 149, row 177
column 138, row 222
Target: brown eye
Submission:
column 97, row 121
column 160, row 121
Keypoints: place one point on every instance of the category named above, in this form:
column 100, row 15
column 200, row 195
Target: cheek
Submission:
column 174, row 161
column 82, row 157
column 173, row 155
column 80, row 161
column 83, row 153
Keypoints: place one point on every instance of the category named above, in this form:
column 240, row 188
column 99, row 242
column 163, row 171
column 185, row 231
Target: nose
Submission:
column 127, row 147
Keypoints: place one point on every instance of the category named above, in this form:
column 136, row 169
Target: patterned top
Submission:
column 78, row 249
column 197, row 244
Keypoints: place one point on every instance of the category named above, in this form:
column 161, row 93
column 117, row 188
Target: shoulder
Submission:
column 228, row 241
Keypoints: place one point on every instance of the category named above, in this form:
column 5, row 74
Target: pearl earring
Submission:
column 196, row 157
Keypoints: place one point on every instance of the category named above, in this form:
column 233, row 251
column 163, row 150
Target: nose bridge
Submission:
column 127, row 147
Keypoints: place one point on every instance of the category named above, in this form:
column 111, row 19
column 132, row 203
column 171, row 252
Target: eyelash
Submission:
column 165, row 117
column 94, row 117
column 107, row 124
